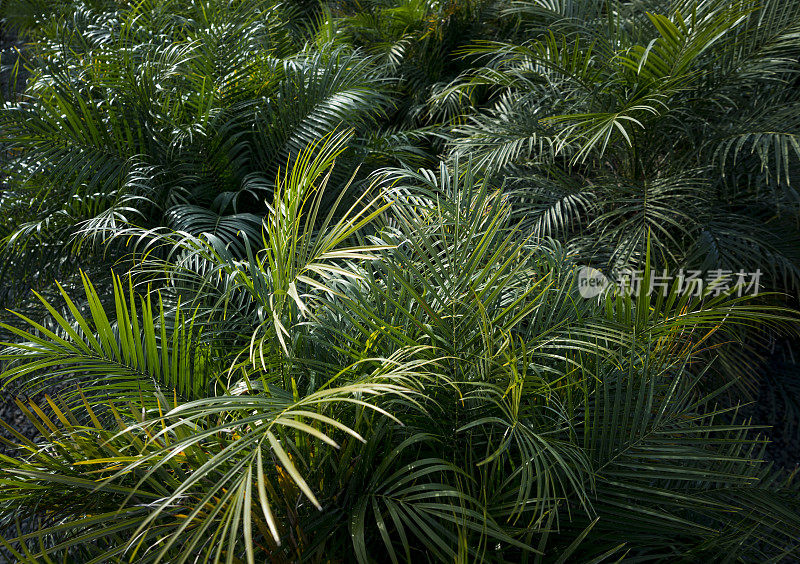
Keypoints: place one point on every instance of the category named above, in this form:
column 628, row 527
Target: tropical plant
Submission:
column 416, row 42
column 615, row 122
column 320, row 270
column 403, row 380
column 174, row 116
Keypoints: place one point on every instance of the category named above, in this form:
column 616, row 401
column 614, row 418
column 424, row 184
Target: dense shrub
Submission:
column 330, row 305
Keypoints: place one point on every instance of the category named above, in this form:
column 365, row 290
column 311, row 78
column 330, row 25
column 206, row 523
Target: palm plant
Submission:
column 404, row 379
column 415, row 42
column 175, row 115
column 297, row 359
column 613, row 122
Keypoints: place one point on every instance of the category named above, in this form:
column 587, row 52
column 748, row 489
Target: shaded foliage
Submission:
column 319, row 280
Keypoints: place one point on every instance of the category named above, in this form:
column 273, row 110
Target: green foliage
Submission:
column 178, row 118
column 675, row 120
column 436, row 391
column 319, row 280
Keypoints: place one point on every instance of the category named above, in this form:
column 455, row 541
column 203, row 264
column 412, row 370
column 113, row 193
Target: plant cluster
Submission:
column 318, row 293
